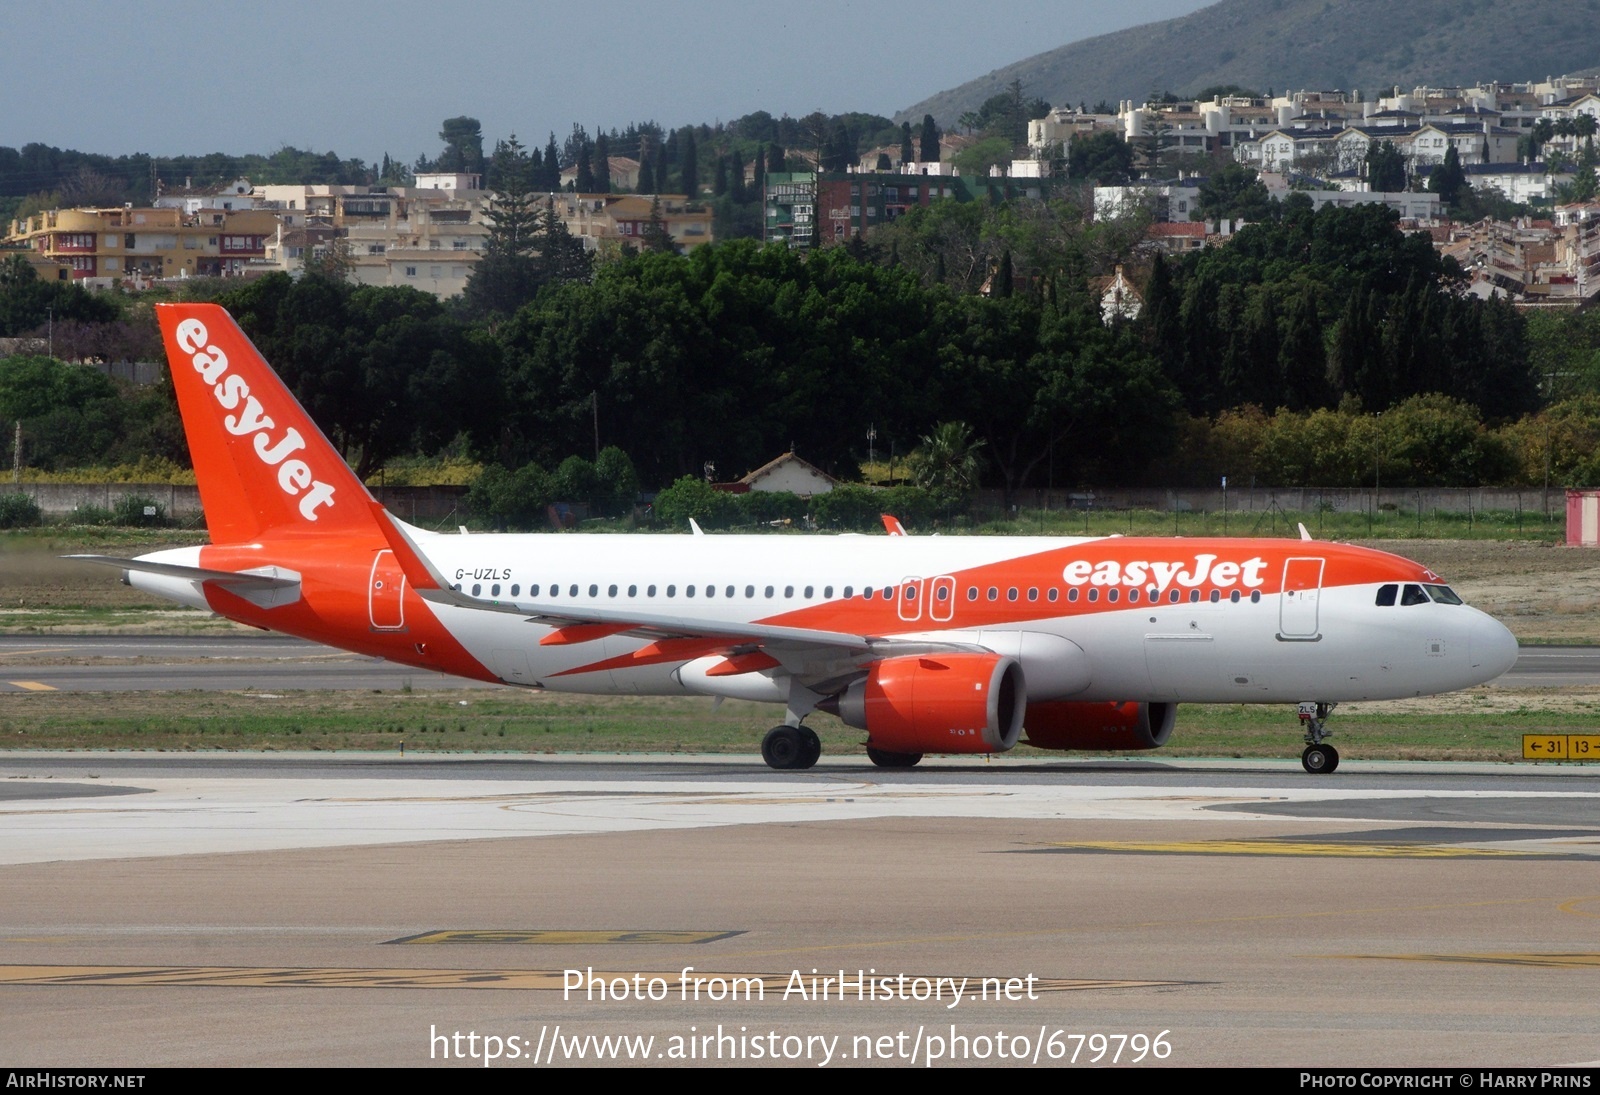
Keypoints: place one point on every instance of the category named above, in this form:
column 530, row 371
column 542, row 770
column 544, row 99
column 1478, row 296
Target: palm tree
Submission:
column 946, row 463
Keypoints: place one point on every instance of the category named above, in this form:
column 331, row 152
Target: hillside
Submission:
column 1287, row 44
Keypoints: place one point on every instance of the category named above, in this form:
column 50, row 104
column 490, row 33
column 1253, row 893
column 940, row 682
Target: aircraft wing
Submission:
column 581, row 624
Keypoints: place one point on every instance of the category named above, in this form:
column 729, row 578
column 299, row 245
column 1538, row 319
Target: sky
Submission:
column 172, row 77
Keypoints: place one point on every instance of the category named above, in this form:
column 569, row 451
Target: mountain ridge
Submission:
column 1369, row 45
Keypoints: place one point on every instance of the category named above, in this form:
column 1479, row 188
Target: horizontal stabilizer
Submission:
column 268, row 587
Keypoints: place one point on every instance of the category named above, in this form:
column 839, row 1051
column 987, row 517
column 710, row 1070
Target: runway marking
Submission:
column 565, row 938
column 1579, row 960
column 1571, row 906
column 42, row 650
column 360, row 977
column 1287, row 848
column 33, row 686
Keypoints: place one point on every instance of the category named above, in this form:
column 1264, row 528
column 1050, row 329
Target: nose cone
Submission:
column 1491, row 647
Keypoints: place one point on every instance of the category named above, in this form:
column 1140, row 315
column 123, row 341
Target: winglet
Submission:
column 1304, row 533
column 695, row 525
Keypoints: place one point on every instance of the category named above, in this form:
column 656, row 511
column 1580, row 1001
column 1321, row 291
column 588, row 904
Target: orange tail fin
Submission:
column 262, row 465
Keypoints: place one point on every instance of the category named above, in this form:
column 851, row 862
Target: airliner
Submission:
column 930, row 645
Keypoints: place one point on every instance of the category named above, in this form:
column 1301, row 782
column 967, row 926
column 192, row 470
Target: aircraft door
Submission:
column 941, row 598
column 1298, row 606
column 385, row 593
column 910, row 599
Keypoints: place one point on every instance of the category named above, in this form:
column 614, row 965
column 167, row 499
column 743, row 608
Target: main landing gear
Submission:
column 791, row 748
column 1319, row 758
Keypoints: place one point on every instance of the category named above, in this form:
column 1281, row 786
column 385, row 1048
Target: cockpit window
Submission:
column 1444, row 595
column 1386, row 595
column 1413, row 595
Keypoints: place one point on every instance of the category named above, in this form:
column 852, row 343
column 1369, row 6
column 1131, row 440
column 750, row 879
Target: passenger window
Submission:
column 494, row 590
column 594, row 590
column 1052, row 593
column 1011, row 594
column 1413, row 595
column 867, row 593
column 688, row 591
column 911, row 593
column 1216, row 596
column 1112, row 594
column 1172, row 598
column 572, row 590
column 1234, row 596
column 994, row 593
column 972, row 593
column 750, row 592
column 1133, row 596
column 888, row 593
column 1255, row 596
column 476, row 589
column 649, row 591
column 515, row 589
column 633, row 591
column 769, row 593
column 1072, row 594
column 728, row 592
column 672, row 591
column 1194, row 596
column 1094, row 595
column 827, row 591
column 788, row 591
column 1033, row 593
column 808, row 592
column 1386, row 595
column 611, row 591
column 711, row 590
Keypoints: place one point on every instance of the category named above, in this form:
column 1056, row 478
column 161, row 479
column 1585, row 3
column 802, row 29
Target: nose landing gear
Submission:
column 1319, row 757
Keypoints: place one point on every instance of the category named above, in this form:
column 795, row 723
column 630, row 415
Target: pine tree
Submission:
column 719, row 181
column 930, row 141
column 736, row 177
column 776, row 159
column 647, row 177
column 758, row 174
column 1301, row 356
column 507, row 276
column 585, row 181
column 908, row 154
column 602, row 165
column 690, row 173
column 551, row 181
column 656, row 236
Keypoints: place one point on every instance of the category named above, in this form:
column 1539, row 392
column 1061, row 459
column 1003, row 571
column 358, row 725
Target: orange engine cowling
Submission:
column 1111, row 726
column 938, row 703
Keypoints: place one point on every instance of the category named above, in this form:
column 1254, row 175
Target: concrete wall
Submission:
column 1291, row 499
column 425, row 506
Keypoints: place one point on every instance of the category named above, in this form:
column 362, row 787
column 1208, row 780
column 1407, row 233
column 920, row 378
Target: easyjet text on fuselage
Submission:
column 1201, row 569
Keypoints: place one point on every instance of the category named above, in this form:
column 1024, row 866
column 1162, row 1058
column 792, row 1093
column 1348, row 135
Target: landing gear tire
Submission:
column 884, row 759
column 813, row 746
column 1319, row 760
column 788, row 748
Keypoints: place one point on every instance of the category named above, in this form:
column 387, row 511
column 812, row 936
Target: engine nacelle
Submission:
column 1108, row 726
column 938, row 703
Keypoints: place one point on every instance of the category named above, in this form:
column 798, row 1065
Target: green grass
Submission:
column 525, row 722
